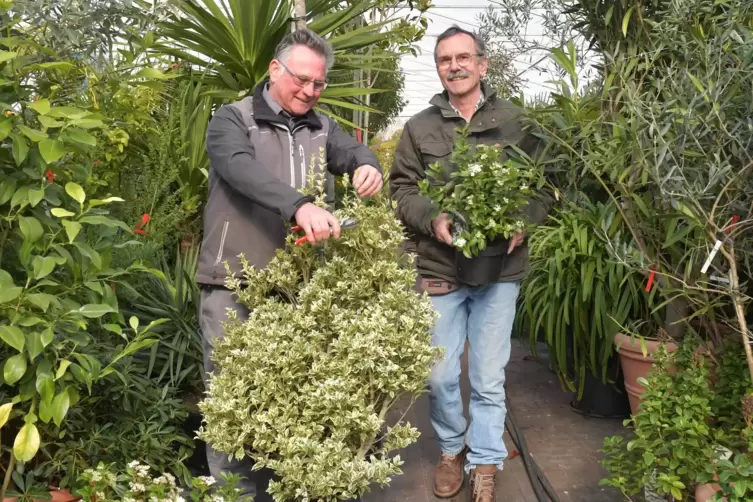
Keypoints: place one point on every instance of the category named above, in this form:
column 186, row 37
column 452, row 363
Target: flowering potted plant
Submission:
column 137, row 484
column 485, row 188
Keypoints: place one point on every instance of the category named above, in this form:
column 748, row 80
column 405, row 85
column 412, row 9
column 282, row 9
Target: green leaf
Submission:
column 30, row 228
column 6, row 126
column 80, row 136
column 134, row 323
column 86, row 250
column 113, row 328
column 43, row 266
column 27, row 442
column 45, row 387
column 95, row 310
column 61, row 213
column 61, row 370
column 7, row 56
column 13, row 337
column 46, row 337
column 60, row 406
column 10, row 294
column 45, row 410
column 152, row 73
column 87, row 123
column 20, row 148
column 67, row 112
column 56, row 65
column 51, row 150
column 626, row 20
column 33, row 134
column 102, row 202
column 7, row 190
column 20, row 197
column 50, row 123
column 42, row 106
column 29, row 321
column 35, row 196
column 104, row 220
column 41, row 300
column 75, row 191
column 5, row 413
column 5, row 279
column 15, row 367
column 72, row 228
column 34, row 345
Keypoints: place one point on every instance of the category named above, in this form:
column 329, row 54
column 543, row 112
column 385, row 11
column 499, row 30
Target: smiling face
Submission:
column 459, row 66
column 297, row 81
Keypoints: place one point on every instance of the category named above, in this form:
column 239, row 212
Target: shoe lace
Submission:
column 483, row 485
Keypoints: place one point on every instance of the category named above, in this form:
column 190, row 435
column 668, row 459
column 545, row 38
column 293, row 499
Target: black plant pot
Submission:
column 604, row 400
column 484, row 268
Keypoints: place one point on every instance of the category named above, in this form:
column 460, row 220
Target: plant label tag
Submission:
column 713, row 252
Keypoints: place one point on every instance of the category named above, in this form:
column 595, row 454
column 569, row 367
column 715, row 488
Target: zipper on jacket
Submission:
column 292, row 159
column 222, row 243
column 303, row 163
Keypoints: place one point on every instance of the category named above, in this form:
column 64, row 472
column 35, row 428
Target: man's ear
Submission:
column 483, row 65
column 274, row 70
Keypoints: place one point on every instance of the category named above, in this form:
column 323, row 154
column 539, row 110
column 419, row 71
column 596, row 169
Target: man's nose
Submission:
column 454, row 65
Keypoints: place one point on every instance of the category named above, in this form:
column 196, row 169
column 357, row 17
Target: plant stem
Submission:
column 740, row 310
column 6, row 481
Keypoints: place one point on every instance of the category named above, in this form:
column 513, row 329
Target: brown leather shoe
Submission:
column 482, row 483
column 449, row 475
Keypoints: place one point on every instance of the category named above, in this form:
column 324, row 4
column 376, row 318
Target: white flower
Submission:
column 460, row 242
column 138, row 487
column 505, row 200
column 218, row 498
column 474, row 169
column 498, row 208
column 207, row 480
column 524, row 187
column 133, row 464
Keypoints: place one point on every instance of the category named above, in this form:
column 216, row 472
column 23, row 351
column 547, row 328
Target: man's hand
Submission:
column 516, row 241
column 442, row 226
column 319, row 224
column 367, row 181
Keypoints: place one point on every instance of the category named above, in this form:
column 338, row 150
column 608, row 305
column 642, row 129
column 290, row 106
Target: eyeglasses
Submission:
column 464, row 60
column 319, row 85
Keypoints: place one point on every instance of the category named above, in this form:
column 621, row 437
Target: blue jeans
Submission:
column 484, row 315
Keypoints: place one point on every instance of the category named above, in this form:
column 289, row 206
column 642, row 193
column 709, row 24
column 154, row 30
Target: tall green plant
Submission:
column 57, row 299
column 577, row 295
column 231, row 44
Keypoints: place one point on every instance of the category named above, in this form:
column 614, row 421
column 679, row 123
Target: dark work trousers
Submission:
column 213, row 306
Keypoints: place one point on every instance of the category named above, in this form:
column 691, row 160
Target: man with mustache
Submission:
column 481, row 314
column 260, row 151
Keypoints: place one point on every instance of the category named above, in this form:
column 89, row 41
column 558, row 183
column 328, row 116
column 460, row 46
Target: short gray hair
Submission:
column 457, row 30
column 306, row 38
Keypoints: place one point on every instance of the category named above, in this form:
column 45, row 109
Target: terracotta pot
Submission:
column 57, row 496
column 635, row 365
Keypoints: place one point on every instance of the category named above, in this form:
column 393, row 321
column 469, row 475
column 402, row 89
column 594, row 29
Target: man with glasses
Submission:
column 481, row 314
column 261, row 150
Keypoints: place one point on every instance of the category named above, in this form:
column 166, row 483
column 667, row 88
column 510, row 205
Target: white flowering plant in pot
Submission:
column 336, row 337
column 485, row 188
column 137, row 484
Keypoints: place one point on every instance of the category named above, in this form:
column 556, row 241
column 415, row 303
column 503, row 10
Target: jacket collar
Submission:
column 442, row 100
column 262, row 111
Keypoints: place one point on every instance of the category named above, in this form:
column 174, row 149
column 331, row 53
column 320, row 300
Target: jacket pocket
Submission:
column 221, row 248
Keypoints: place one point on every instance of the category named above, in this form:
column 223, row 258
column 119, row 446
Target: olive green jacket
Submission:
column 429, row 137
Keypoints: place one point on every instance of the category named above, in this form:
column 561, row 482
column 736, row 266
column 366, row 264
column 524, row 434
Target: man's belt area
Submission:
column 437, row 286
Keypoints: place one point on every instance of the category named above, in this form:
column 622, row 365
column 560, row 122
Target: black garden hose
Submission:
column 539, row 481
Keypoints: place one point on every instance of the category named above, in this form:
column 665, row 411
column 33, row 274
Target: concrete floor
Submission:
column 565, row 444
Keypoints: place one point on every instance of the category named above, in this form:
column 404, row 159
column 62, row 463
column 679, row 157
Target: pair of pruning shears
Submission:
column 344, row 223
